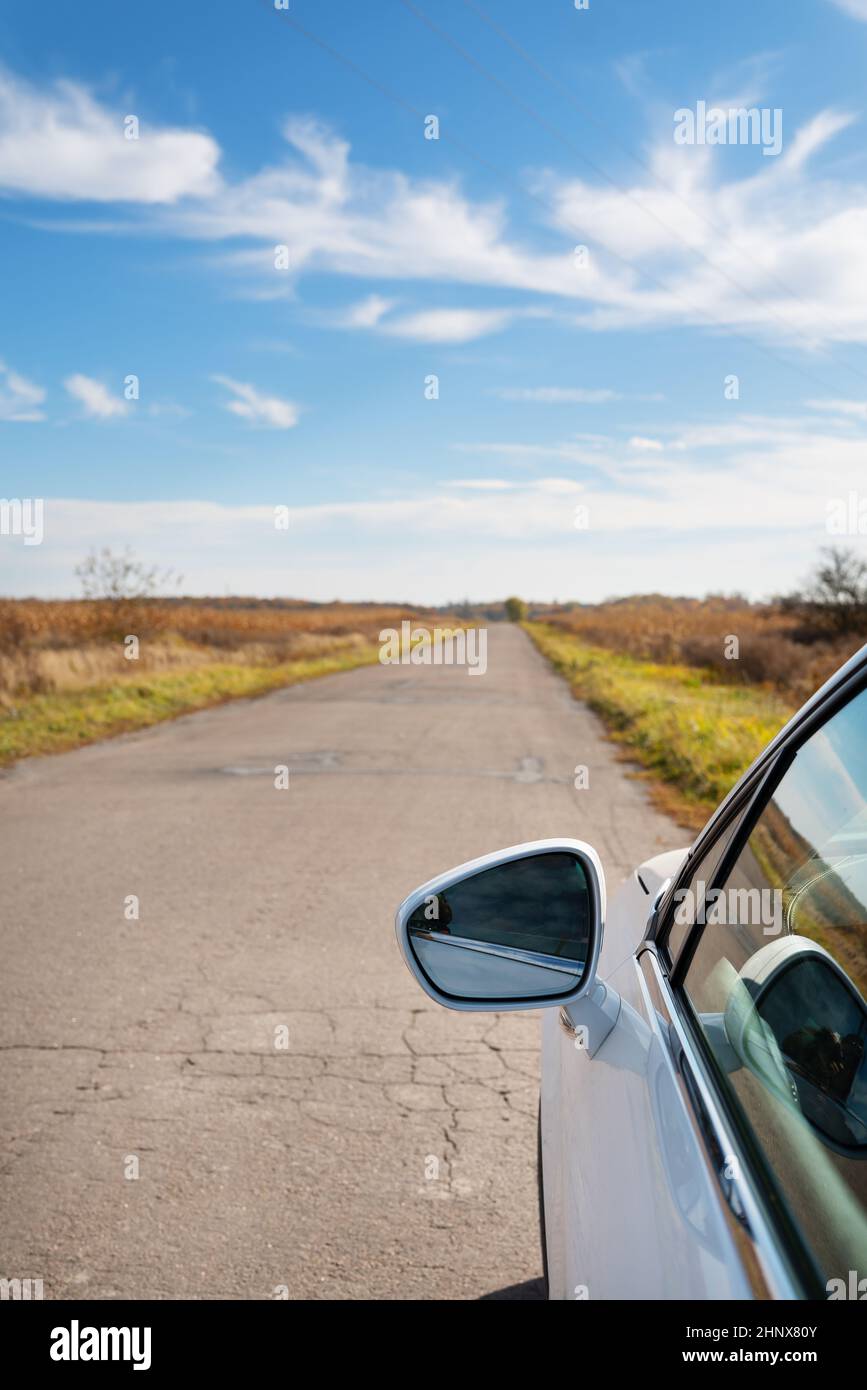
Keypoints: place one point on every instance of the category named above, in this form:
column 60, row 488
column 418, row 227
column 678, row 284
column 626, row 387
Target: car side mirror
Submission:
column 799, row 1023
column 519, row 929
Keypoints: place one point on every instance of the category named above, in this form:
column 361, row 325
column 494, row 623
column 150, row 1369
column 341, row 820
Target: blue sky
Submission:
column 561, row 385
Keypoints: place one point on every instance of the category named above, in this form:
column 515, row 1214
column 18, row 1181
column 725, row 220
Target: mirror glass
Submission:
column 519, row 930
column 819, row 1027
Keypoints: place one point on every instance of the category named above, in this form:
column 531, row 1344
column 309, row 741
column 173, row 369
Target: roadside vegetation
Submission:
column 66, row 678
column 68, row 718
column 694, row 689
column 693, row 733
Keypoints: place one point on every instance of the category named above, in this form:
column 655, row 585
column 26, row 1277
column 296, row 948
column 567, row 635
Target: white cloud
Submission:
column 20, row 399
column 581, row 452
column 557, row 395
column 269, row 412
column 852, row 409
column 95, row 398
column 541, row 485
column 481, row 484
column 856, row 8
column 62, row 144
column 673, row 482
column 752, row 516
column 351, row 220
column 812, row 137
column 449, row 325
column 367, row 313
column 454, row 325
column 558, row 486
column 779, row 251
column 643, row 445
column 777, row 432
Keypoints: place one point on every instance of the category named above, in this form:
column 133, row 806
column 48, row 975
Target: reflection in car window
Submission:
column 819, row 1028
column 687, row 903
column 778, row 982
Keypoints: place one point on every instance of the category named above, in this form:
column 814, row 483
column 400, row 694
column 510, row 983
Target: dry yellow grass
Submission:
column 698, row 633
column 65, row 679
column 41, row 670
column 211, row 622
column 50, row 647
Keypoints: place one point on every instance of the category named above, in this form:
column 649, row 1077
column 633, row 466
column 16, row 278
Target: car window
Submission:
column 777, row 984
column 688, row 900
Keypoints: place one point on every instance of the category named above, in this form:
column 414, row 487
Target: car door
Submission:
column 772, row 987
column 716, row 1144
column 634, row 1208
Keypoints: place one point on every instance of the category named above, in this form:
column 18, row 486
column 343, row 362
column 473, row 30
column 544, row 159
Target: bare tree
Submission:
column 121, row 578
column 833, row 600
column 122, row 590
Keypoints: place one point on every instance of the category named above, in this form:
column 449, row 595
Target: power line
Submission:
column 602, row 173
column 637, row 158
column 701, row 313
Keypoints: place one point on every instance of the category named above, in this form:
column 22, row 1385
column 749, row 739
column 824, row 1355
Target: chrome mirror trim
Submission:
column 564, row 964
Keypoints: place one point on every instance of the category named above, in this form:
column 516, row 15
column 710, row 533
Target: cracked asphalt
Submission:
column 242, row 1093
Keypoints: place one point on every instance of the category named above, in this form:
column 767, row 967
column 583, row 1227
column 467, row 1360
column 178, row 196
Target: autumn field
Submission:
column 73, row 671
column 741, row 643
column 693, row 689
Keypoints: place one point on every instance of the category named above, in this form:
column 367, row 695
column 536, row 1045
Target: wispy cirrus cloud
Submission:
column 559, row 486
column 481, row 484
column 773, row 484
column 367, row 313
column 582, row 450
column 20, row 399
column 688, row 244
column 699, row 491
column 856, row 410
column 779, row 250
column 450, row 325
column 557, row 395
column 94, row 397
column 439, row 325
column 268, row 412
column 856, row 8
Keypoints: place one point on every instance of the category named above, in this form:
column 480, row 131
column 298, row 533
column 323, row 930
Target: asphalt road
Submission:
column 301, row 1118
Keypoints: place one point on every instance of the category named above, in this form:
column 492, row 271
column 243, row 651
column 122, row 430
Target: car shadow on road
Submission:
column 533, row 1291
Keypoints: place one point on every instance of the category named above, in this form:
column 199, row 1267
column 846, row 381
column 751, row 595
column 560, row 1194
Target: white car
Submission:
column 703, row 1115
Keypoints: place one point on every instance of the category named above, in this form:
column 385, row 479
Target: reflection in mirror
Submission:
column 518, row 930
column 819, row 1026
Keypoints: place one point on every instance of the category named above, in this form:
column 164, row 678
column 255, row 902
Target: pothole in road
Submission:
column 322, row 761
column 529, row 770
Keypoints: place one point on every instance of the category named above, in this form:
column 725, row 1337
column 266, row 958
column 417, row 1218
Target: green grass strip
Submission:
column 691, row 732
column 54, row 723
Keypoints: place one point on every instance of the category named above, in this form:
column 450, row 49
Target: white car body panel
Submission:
column 631, row 1210
column 653, row 1184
